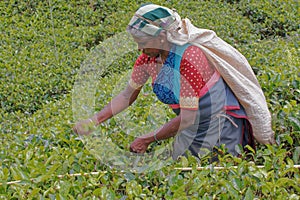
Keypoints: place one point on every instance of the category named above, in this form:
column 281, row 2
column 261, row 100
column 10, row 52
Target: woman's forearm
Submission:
column 116, row 105
column 171, row 128
column 168, row 130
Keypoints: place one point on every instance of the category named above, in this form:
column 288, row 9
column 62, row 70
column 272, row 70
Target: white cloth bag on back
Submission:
column 235, row 70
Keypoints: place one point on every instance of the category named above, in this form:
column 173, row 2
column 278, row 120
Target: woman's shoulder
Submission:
column 193, row 49
column 192, row 52
column 189, row 49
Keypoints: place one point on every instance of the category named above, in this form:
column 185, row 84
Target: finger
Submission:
column 142, row 151
column 75, row 129
column 132, row 149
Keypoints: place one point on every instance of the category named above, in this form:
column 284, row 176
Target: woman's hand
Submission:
column 140, row 145
column 84, row 127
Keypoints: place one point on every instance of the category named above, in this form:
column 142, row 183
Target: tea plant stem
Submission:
column 58, row 176
column 221, row 168
column 97, row 173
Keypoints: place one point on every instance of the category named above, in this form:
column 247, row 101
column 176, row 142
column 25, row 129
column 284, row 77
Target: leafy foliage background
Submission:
column 43, row 44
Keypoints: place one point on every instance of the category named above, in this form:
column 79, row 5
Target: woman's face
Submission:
column 152, row 47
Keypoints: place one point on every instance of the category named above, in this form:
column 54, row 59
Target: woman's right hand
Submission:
column 84, row 127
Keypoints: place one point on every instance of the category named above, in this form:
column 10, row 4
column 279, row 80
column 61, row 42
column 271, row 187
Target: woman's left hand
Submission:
column 139, row 145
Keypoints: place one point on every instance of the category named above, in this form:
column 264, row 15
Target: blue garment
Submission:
column 218, row 115
column 167, row 83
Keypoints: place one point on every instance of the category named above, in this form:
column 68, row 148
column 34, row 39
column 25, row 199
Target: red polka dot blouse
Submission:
column 195, row 71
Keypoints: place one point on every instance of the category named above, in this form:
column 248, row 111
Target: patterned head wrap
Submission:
column 151, row 19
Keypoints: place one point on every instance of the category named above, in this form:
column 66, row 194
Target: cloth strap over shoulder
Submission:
column 235, row 70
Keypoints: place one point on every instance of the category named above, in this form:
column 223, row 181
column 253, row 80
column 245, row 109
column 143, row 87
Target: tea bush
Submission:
column 44, row 43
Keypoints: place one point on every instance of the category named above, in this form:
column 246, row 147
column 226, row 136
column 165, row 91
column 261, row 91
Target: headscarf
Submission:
column 234, row 68
column 151, row 19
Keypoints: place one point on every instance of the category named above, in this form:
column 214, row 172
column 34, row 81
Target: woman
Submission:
column 189, row 70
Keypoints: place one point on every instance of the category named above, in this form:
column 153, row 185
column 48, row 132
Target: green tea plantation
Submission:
column 46, row 49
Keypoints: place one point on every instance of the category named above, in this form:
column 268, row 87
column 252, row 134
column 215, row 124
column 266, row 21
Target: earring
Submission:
column 162, row 41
